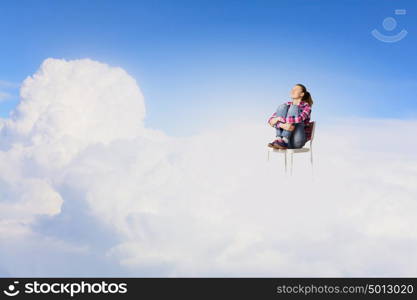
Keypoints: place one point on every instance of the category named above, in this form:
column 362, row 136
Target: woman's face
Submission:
column 297, row 92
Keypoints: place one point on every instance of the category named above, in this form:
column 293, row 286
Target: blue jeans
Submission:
column 296, row 138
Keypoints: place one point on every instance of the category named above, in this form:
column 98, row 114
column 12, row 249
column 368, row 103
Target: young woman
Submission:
column 291, row 120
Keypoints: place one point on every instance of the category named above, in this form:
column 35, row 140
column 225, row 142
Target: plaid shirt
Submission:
column 304, row 116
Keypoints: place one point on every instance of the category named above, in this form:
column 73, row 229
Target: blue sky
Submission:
column 199, row 62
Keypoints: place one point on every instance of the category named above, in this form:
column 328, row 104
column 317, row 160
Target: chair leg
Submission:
column 312, row 168
column 291, row 163
column 311, row 155
column 285, row 157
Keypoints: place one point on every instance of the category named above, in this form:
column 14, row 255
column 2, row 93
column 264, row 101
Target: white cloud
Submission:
column 82, row 180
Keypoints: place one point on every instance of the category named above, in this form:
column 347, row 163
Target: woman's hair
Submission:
column 307, row 97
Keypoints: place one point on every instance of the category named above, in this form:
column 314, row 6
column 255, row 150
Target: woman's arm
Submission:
column 298, row 119
column 273, row 120
column 278, row 124
column 287, row 126
column 270, row 119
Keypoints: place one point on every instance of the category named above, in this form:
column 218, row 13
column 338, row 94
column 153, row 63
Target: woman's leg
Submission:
column 294, row 111
column 298, row 137
column 281, row 112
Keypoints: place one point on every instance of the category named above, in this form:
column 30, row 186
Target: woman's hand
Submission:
column 273, row 121
column 288, row 126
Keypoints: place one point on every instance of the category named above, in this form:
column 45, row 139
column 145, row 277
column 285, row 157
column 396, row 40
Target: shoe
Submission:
column 279, row 144
column 271, row 145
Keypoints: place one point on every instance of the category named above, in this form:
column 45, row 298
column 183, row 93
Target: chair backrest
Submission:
column 313, row 128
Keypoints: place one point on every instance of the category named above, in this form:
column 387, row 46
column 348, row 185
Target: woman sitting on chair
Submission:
column 292, row 120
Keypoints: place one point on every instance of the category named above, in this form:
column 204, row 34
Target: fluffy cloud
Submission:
column 86, row 189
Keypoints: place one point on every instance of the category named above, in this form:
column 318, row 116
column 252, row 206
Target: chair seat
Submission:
column 298, row 150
